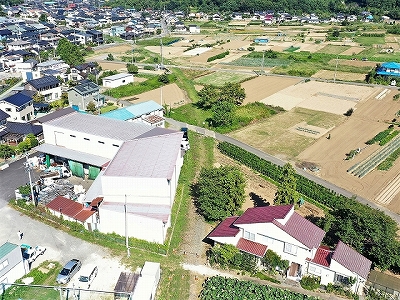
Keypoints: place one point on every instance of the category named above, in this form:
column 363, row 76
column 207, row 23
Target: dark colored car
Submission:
column 69, row 271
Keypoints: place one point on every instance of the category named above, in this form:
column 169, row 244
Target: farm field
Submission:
column 168, row 51
column 366, row 121
column 172, row 95
column 263, row 86
column 220, row 78
column 202, row 57
column 277, row 137
column 345, row 76
column 321, row 96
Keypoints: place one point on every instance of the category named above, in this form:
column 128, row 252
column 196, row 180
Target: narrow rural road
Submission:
column 280, row 162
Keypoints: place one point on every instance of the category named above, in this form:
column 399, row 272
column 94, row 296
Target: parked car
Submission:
column 87, row 275
column 30, row 254
column 69, row 271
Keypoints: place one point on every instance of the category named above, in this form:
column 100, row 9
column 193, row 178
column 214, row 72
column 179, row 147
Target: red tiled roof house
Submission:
column 295, row 239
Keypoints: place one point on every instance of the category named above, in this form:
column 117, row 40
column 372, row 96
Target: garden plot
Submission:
column 263, row 86
column 365, row 123
column 237, row 44
column 309, row 130
column 202, row 58
column 310, row 47
column 334, row 98
column 355, row 63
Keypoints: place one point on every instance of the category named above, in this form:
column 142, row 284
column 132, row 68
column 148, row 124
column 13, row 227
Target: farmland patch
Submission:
column 220, row 78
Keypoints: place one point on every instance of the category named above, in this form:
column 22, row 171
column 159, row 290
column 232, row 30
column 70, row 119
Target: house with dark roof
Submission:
column 48, row 86
column 293, row 238
column 18, row 106
column 81, row 95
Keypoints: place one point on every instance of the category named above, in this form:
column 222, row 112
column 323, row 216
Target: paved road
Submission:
column 11, row 178
column 60, row 247
column 280, row 162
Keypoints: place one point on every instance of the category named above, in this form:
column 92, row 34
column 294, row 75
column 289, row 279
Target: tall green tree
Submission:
column 132, row 69
column 223, row 114
column 219, row 192
column 6, row 151
column 229, row 92
column 286, row 193
column 43, row 18
column 69, row 52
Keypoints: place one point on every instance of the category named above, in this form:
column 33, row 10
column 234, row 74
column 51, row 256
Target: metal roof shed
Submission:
column 125, row 285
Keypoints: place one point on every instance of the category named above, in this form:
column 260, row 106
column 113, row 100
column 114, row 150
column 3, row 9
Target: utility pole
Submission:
column 126, row 231
column 337, row 60
column 28, row 170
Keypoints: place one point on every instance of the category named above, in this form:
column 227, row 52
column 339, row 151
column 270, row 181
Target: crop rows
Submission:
column 380, row 136
column 222, row 288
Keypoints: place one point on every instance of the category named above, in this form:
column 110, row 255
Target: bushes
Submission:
column 218, row 56
column 382, row 137
column 228, row 256
column 310, row 282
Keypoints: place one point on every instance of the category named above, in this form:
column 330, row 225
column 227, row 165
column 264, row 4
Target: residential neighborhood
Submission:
column 151, row 151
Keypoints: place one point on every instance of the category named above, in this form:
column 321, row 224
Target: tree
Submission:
column 163, row 78
column 69, row 52
column 286, row 193
column 38, row 98
column 229, row 92
column 43, row 18
column 370, row 232
column 132, row 69
column 91, row 107
column 219, row 192
column 110, row 57
column 223, row 114
column 31, row 140
column 6, row 151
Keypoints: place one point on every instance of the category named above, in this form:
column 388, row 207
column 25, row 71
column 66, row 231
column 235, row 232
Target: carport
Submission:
column 76, row 159
column 384, row 283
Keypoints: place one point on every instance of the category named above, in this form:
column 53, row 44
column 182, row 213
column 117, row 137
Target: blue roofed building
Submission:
column 149, row 112
column 389, row 69
column 18, row 106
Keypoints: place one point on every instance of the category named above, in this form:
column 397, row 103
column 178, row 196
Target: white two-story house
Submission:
column 48, row 86
column 19, row 107
column 295, row 239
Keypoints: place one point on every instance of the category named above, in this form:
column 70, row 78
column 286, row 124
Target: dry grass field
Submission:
column 346, row 76
column 353, row 50
column 171, row 95
column 277, row 137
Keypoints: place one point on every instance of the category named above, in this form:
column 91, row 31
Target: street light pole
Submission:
column 126, row 231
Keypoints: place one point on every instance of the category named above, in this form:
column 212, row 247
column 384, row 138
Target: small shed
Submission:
column 125, row 285
column 117, row 80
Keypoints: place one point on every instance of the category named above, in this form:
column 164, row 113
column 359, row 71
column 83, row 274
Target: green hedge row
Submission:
column 305, row 186
column 218, row 56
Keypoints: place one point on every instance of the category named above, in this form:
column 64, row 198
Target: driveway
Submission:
column 61, row 247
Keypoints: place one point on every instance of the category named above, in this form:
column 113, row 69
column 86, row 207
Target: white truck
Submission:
column 30, row 254
column 56, row 173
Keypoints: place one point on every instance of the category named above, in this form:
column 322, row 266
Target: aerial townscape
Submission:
column 199, row 150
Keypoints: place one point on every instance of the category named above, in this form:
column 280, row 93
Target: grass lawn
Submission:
column 220, row 78
column 136, row 88
column 107, row 108
column 42, row 275
column 369, row 41
column 333, row 49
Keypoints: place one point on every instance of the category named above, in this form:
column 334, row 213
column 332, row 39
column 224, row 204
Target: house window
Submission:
column 3, row 264
column 249, row 236
column 314, row 269
column 115, row 145
column 289, row 248
column 8, row 109
column 23, row 118
column 101, row 142
column 86, row 139
column 341, row 279
column 123, row 80
column 71, row 135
